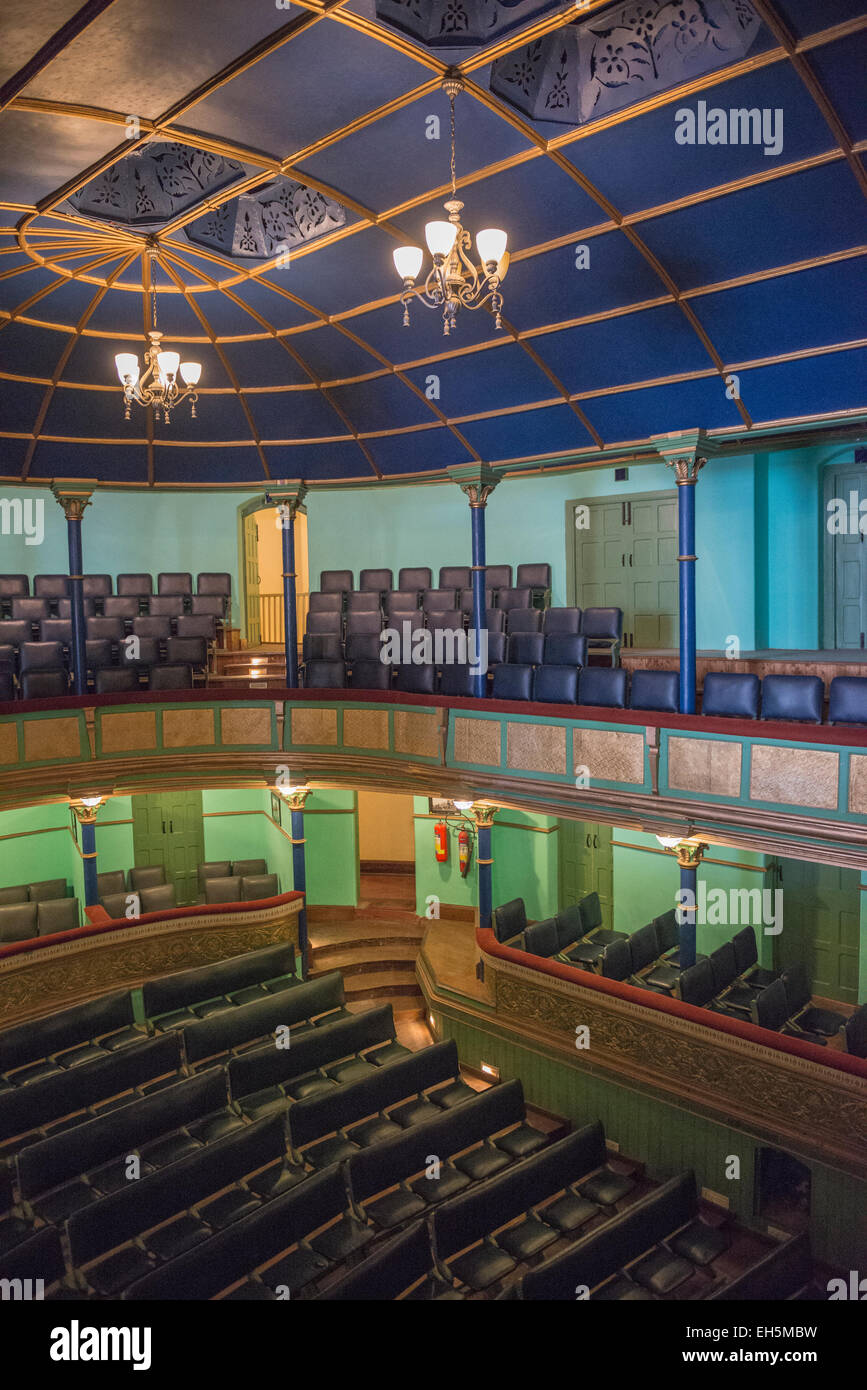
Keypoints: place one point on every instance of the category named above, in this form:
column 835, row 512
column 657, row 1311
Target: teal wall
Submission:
column 525, row 863
column 238, row 825
column 114, row 843
column 758, row 532
column 646, row 880
column 42, row 846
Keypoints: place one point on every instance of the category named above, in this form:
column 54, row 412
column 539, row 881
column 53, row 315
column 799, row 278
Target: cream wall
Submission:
column 385, row 827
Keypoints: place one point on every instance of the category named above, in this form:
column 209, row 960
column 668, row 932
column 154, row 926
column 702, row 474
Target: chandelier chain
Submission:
column 452, row 136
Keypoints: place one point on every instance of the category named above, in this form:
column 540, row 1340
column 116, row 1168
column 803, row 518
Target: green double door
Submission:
column 168, row 829
column 821, row 926
column 586, row 864
column 850, row 564
column 625, row 556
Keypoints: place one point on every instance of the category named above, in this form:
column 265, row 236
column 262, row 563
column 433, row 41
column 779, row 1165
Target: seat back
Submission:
column 402, row 602
column 541, row 938
column 174, row 583
column 213, row 868
column 440, row 601
column 855, row 1032
column 170, row 677
column 522, row 619
column 360, row 600
column 376, row 581
column 325, row 675
column 848, row 700
column 57, row 915
column 509, row 919
column 158, row 899
column 416, row 578
column 667, row 930
column 526, row 647
column 270, row 1066
column 166, row 605
column 600, row 624
column 117, row 905
column 393, row 1267
column 97, row 585
column 746, row 951
column 15, row 632
column 187, row 651
column 466, row 599
column 222, row 890
column 644, row 947
column 226, row 1030
column 325, row 603
column 335, row 581
column 658, row 690
column 121, row 606
column 18, row 922
column 42, row 1037
column 47, row 889
column 134, row 584
column 371, row 675
column 417, row 679
column 201, row 626
column 565, row 649
column 55, row 630
column 456, row 680
column 534, row 576
column 770, row 1008
column 696, row 983
column 513, row 598
column 785, row 1270
column 617, row 960
column 184, row 987
column 499, row 576
column 14, row 586
column 51, row 585
column 570, row 925
column 214, row 582
column 241, row 867
column 731, row 694
column 159, row 628
column 793, row 697
column 44, row 685
column 615, row 1244
column 513, row 681
column 29, row 610
column 321, row 646
column 146, row 876
column 454, row 577
column 561, row 620
column 17, row 893
column 602, row 685
column 555, row 685
column 255, row 887
column 363, row 625
column 324, row 622
column 797, row 987
column 41, row 656
column 111, row 881
column 724, row 965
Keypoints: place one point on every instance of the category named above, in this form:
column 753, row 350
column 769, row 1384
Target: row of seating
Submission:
column 98, row 589
column 21, row 921
column 40, row 670
column 32, row 618
column 418, row 578
column 514, row 636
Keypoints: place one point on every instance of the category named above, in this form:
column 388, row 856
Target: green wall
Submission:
column 668, row 1139
column 238, row 825
column 114, row 843
column 41, row 847
column 525, row 863
column 646, row 881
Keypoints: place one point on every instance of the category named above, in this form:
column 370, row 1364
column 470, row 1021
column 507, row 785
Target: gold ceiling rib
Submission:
column 58, row 372
column 766, row 12
column 299, row 361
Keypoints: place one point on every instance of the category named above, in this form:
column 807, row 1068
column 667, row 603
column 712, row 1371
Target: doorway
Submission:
column 262, row 570
column 845, row 558
column 623, row 554
column 822, row 926
column 167, row 829
column 783, row 1190
column 586, row 864
column 386, row 846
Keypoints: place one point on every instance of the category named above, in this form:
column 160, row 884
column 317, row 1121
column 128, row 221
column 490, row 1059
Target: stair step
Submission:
column 359, row 936
column 370, row 959
column 381, row 984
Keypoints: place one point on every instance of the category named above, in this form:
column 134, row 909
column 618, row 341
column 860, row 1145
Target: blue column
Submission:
column 88, row 855
column 299, row 876
column 76, row 595
column 686, row 571
column 485, row 864
column 477, row 515
column 686, row 933
column 290, row 621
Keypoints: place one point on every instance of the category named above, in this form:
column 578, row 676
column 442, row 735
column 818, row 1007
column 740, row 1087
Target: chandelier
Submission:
column 157, row 385
column 453, row 281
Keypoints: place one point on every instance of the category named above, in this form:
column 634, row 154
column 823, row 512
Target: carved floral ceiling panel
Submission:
column 268, row 222
column 586, row 70
column 155, row 183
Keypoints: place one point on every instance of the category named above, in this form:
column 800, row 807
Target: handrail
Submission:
column 101, row 924
column 840, row 735
column 749, row 1032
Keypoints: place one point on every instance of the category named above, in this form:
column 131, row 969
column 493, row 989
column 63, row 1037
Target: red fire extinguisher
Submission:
column 441, row 842
column 464, row 852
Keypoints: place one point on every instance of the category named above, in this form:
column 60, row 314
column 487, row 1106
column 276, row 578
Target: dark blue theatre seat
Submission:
column 732, row 694
column 793, row 697
column 657, row 690
column 565, row 649
column 848, row 700
column 513, row 682
column 556, row 685
column 603, row 685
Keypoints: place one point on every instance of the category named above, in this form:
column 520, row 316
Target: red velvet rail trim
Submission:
column 774, row 731
column 102, row 924
column 840, row 1061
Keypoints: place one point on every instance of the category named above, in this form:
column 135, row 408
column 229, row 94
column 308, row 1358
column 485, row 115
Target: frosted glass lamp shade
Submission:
column 127, row 366
column 168, row 365
column 191, row 371
column 407, row 261
column 440, row 237
column 491, row 245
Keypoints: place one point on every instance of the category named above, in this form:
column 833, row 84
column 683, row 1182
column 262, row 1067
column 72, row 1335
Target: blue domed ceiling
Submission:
column 682, row 185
